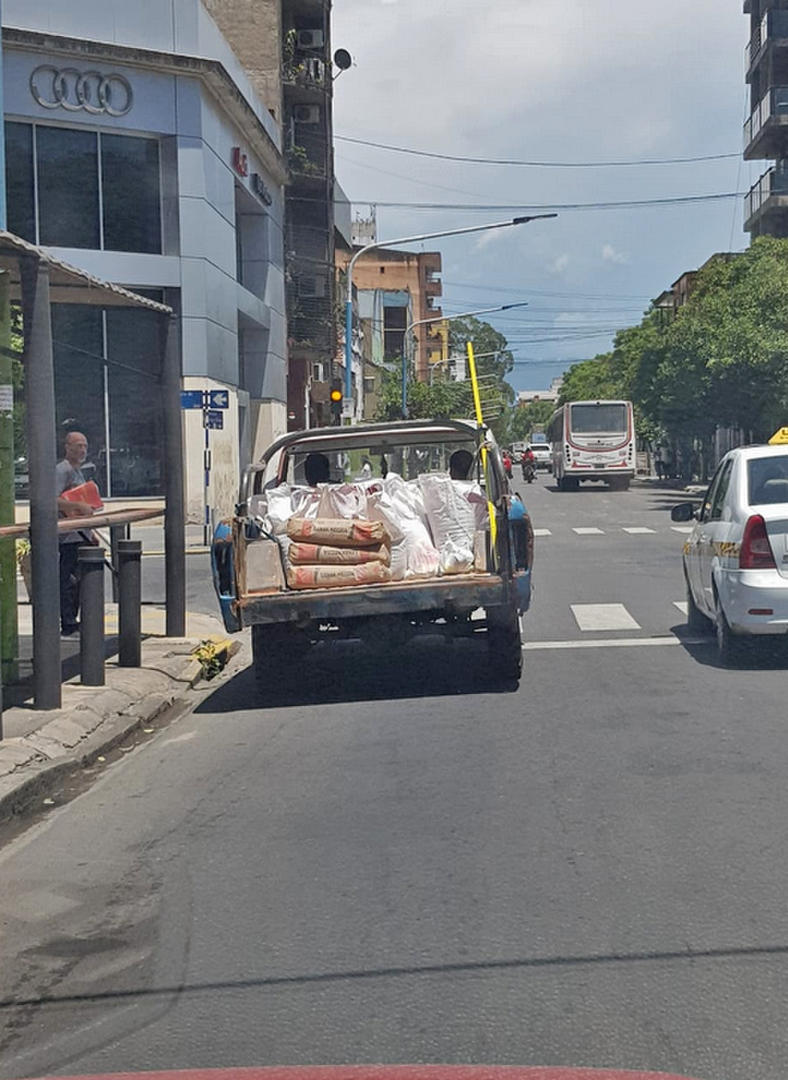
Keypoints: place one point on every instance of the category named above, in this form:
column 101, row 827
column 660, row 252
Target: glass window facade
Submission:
column 130, row 194
column 68, row 187
column 83, row 189
column 107, row 385
column 20, row 180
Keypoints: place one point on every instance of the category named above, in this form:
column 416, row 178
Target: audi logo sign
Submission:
column 89, row 91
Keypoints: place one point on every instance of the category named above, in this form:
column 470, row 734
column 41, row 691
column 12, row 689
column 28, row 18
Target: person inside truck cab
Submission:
column 460, row 464
column 317, row 469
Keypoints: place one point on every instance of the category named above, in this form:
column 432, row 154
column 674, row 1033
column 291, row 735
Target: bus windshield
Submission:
column 603, row 419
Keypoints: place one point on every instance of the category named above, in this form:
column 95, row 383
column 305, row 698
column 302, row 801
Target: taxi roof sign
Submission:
column 780, row 438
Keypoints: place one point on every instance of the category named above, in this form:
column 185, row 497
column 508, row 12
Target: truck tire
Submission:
column 274, row 647
column 504, row 645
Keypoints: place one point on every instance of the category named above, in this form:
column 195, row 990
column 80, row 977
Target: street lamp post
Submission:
column 440, row 318
column 407, row 240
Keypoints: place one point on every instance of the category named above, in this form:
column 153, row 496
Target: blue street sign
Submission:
column 191, row 399
column 214, row 418
column 219, row 399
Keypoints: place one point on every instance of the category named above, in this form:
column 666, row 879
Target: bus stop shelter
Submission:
column 36, row 281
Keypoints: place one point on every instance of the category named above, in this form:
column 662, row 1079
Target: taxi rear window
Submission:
column 767, row 480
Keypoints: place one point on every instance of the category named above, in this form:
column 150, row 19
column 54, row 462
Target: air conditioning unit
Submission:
column 310, row 39
column 312, row 288
column 306, row 114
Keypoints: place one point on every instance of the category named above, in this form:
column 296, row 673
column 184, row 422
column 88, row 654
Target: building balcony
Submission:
column 766, row 131
column 771, row 32
column 767, row 198
column 305, row 80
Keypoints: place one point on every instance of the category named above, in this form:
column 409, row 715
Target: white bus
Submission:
column 593, row 440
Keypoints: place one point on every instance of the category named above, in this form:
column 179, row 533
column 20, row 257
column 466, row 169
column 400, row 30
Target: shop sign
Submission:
column 240, row 161
column 92, row 91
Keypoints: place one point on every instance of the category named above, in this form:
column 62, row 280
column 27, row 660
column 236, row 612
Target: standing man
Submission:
column 68, row 474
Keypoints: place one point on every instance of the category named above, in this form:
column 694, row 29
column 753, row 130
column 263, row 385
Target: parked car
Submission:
column 736, row 558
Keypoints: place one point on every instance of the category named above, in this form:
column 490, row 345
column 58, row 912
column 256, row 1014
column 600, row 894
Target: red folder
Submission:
column 86, row 493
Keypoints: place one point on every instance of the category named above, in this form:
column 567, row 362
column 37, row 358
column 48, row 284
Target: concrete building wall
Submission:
column 404, row 271
column 253, row 29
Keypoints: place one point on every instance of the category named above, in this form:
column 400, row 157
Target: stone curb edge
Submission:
column 32, row 782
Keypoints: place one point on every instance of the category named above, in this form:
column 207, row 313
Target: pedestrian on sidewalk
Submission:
column 659, row 464
column 68, row 474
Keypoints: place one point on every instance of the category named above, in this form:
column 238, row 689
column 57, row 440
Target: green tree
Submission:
column 525, row 419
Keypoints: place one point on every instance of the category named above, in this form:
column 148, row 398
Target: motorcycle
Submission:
column 529, row 471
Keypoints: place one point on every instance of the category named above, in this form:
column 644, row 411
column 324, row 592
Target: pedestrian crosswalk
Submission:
column 609, row 625
column 603, row 617
column 612, row 530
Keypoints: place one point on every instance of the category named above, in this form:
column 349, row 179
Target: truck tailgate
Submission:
column 462, row 591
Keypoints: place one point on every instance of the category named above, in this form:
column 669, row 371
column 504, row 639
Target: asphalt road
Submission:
column 390, row 862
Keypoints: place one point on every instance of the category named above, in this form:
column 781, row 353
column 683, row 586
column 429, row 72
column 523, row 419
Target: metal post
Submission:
column 130, row 596
column 9, row 640
column 116, row 534
column 91, row 615
column 42, row 455
column 175, row 510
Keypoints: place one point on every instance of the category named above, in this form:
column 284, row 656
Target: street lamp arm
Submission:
column 410, row 240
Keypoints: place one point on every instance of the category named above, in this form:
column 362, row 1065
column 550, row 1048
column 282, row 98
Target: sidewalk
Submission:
column 40, row 747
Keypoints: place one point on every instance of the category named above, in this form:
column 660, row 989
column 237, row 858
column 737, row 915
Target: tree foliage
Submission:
column 722, row 361
column 446, row 398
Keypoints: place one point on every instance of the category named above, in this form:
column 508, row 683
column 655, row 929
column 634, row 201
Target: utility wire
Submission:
column 623, row 204
column 536, row 164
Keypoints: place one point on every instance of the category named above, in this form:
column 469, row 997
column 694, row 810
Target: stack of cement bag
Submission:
column 331, row 553
column 376, row 531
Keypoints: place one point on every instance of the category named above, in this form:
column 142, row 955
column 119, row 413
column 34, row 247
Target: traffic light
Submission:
column 336, row 401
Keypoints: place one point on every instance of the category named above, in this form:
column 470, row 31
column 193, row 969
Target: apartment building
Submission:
column 766, row 130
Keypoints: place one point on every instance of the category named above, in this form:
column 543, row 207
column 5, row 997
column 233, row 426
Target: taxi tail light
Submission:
column 756, row 551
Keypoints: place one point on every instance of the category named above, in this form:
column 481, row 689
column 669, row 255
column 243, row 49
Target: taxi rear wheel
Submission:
column 730, row 648
column 697, row 622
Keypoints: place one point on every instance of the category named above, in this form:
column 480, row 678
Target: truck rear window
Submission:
column 767, row 480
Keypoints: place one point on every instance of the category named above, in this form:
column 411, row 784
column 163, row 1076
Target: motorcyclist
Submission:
column 528, row 463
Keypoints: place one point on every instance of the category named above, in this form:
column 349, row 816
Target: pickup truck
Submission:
column 286, row 622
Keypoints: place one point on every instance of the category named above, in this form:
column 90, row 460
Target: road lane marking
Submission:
column 681, row 605
column 542, row 532
column 638, row 530
column 603, row 617
column 588, row 532
column 682, row 528
column 613, row 643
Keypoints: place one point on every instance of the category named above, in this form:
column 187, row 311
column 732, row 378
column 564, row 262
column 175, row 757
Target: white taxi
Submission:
column 736, row 558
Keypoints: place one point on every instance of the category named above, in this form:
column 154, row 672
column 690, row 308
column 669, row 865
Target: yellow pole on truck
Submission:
column 477, row 404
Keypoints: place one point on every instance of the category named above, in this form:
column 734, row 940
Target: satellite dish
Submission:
column 343, row 59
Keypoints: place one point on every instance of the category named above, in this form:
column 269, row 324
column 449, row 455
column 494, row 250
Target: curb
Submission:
column 76, row 737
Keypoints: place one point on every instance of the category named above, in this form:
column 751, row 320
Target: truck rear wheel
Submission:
column 504, row 644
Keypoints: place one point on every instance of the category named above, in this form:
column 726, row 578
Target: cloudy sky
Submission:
column 549, row 81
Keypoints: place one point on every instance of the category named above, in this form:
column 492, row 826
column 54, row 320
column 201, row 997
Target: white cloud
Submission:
column 559, row 264
column 609, row 254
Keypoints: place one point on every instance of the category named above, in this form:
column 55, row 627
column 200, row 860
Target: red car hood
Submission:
column 388, row 1072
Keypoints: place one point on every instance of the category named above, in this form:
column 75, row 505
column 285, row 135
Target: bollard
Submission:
column 130, row 600
column 91, row 629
